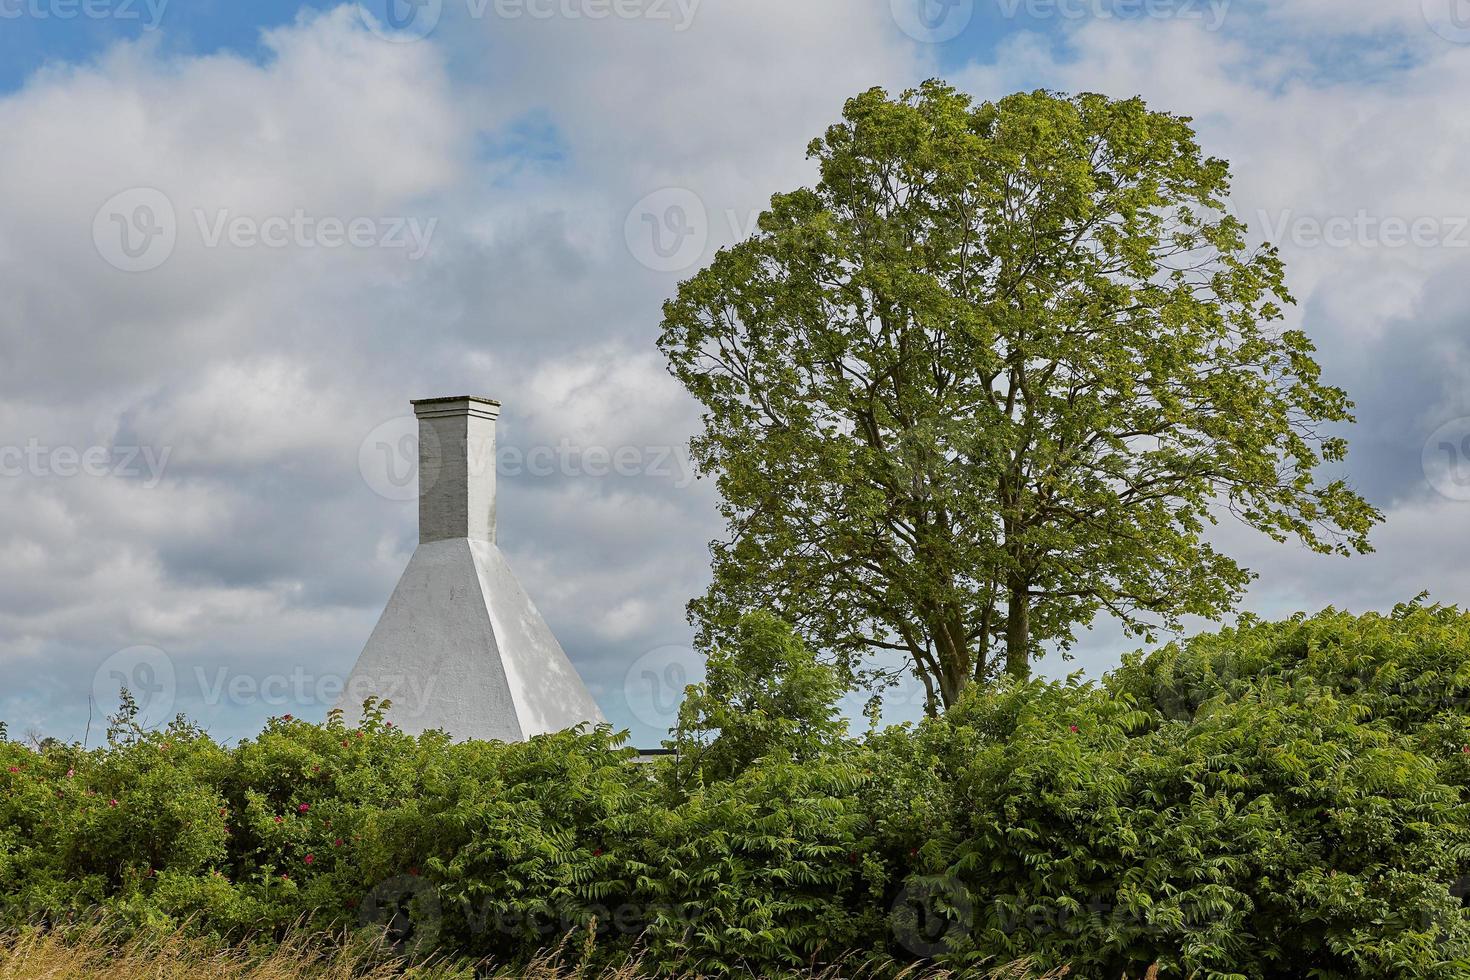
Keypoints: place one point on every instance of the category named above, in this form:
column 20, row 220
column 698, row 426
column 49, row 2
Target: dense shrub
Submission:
column 1276, row 800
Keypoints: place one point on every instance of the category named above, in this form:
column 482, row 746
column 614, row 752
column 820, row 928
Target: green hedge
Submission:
column 1277, row 800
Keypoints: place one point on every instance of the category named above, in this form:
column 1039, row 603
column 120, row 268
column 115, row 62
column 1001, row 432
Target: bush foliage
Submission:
column 1275, row 800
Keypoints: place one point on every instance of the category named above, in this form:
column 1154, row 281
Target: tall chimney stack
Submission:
column 456, row 468
column 460, row 647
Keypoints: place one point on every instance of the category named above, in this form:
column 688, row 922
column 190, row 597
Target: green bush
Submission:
column 1277, row 800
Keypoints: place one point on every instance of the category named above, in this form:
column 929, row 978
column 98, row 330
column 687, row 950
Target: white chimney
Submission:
column 456, row 468
column 460, row 647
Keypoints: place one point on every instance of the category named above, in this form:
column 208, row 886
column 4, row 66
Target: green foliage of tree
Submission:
column 764, row 692
column 1278, row 800
column 993, row 376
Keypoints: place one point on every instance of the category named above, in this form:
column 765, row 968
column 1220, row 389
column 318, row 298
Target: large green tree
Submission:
column 993, row 376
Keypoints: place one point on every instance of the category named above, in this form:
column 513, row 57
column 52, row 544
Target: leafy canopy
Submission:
column 994, row 375
column 764, row 692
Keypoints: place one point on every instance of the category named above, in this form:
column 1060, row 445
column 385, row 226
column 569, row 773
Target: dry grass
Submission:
column 97, row 953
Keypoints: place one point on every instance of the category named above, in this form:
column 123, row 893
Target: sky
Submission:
column 236, row 239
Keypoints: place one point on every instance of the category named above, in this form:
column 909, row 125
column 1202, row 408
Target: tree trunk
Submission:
column 982, row 654
column 1018, row 629
column 949, row 658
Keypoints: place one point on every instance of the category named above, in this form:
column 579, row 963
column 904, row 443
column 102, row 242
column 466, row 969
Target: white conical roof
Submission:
column 461, row 647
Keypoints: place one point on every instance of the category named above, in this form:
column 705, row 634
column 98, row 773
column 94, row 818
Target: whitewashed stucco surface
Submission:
column 462, row 648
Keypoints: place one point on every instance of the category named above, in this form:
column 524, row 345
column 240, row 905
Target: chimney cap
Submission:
column 456, row 398
column 456, row 405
